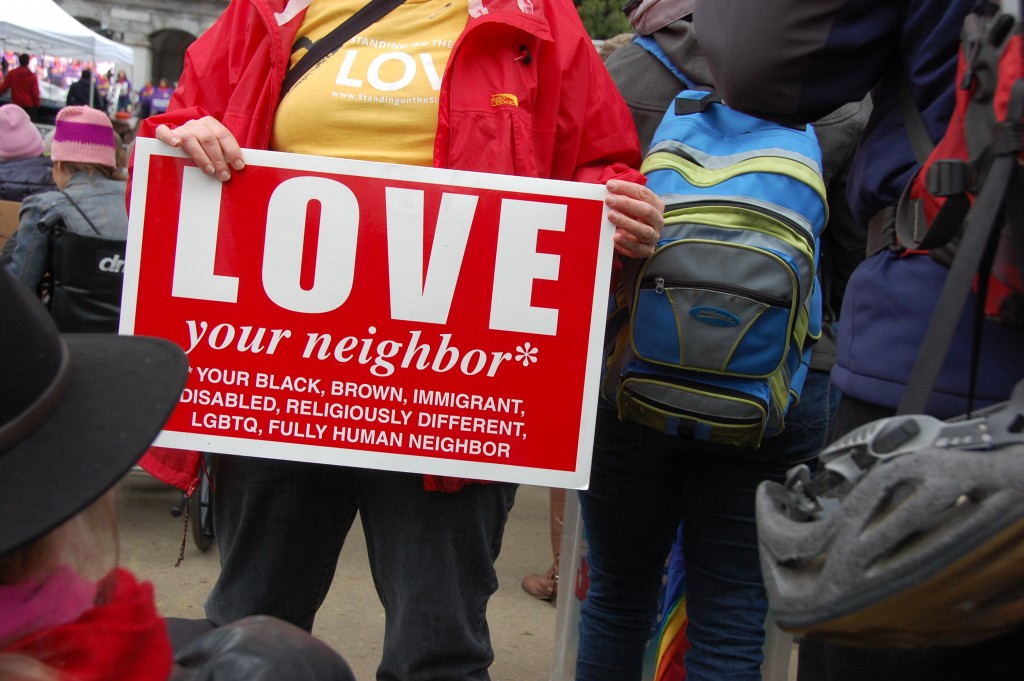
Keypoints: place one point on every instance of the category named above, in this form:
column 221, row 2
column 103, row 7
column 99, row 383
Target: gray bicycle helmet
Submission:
column 911, row 534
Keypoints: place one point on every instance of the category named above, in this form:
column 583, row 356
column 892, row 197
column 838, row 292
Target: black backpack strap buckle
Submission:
column 947, row 177
column 1008, row 138
column 685, row 105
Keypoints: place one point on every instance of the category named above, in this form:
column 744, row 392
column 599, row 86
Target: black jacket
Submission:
column 254, row 648
column 79, row 94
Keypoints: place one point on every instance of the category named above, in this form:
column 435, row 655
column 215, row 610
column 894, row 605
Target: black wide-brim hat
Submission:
column 76, row 412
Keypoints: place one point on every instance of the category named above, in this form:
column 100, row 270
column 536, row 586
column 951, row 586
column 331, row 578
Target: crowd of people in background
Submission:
column 37, row 81
column 23, row 86
column 29, row 85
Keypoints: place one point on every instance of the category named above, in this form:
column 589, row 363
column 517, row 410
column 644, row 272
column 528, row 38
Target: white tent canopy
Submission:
column 42, row 27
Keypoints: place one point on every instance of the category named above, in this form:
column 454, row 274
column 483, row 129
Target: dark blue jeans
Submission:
column 280, row 526
column 643, row 484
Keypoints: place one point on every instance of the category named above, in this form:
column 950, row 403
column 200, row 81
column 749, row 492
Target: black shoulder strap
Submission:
column 327, row 45
column 982, row 219
column 81, row 212
column 913, row 121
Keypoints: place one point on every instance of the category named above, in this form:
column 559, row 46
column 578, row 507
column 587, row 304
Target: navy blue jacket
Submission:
column 793, row 61
column 24, row 177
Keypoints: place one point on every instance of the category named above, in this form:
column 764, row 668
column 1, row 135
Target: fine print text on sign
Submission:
column 375, row 315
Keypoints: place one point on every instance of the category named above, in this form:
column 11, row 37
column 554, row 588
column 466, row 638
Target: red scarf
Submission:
column 121, row 638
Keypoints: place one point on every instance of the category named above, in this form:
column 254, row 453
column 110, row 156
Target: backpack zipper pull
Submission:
column 659, row 285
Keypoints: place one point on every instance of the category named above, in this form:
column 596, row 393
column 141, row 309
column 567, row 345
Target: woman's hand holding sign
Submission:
column 637, row 214
column 208, row 143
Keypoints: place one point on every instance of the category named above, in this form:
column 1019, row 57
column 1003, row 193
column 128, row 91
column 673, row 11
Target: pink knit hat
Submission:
column 19, row 138
column 83, row 135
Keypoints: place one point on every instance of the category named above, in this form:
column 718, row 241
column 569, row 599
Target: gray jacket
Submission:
column 27, row 252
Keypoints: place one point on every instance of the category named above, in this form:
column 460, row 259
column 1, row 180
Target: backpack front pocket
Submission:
column 726, row 411
column 720, row 326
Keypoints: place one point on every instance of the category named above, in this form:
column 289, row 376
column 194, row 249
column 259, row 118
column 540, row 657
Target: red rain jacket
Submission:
column 524, row 93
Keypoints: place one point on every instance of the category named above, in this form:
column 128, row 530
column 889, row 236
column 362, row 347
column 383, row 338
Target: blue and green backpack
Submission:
column 721, row 317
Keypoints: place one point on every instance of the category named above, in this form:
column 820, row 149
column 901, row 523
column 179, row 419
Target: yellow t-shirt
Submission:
column 376, row 97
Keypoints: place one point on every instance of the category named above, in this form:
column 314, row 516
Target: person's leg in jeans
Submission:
column 280, row 526
column 432, row 557
column 726, row 602
column 725, row 596
column 643, row 483
column 630, row 511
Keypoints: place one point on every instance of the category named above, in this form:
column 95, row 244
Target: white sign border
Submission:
column 409, row 463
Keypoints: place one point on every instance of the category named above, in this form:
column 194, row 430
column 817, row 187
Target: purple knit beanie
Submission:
column 83, row 135
column 19, row 138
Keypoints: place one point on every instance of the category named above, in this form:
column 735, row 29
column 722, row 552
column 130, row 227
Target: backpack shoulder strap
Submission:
column 969, row 257
column 920, row 140
column 981, row 40
column 683, row 105
column 651, row 45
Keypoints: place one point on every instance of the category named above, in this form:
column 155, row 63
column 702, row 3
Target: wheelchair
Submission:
column 200, row 508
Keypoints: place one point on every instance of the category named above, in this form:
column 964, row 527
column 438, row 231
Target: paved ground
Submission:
column 523, row 630
column 351, row 620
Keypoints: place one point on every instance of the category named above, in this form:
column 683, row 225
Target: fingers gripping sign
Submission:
column 207, row 142
column 638, row 216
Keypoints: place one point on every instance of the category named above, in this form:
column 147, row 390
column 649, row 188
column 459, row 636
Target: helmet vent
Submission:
column 931, row 529
column 889, row 504
column 807, row 566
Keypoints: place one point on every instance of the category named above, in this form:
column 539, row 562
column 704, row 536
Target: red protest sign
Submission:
column 375, row 315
